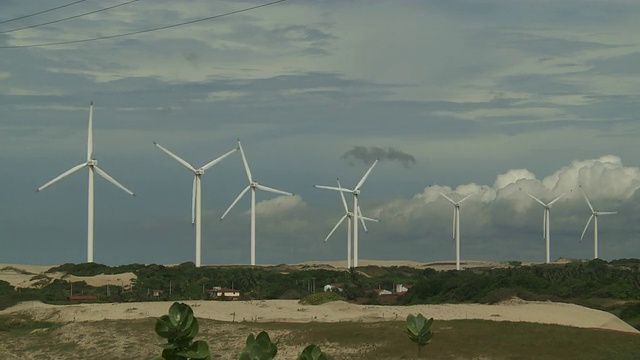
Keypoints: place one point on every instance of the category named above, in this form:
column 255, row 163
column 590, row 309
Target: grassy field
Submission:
column 22, row 338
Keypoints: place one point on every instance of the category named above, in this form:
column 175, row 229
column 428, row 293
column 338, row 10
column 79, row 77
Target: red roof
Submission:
column 226, row 290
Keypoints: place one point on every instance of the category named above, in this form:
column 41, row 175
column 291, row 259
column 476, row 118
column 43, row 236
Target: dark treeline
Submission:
column 619, row 279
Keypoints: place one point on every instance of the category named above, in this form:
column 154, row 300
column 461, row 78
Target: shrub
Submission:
column 179, row 328
column 419, row 330
column 312, row 352
column 321, row 298
column 259, row 348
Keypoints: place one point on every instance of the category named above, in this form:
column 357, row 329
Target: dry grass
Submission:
column 458, row 339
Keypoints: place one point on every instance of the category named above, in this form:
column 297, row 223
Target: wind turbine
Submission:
column 594, row 216
column 92, row 165
column 355, row 192
column 253, row 185
column 349, row 216
column 456, row 224
column 196, row 194
column 545, row 220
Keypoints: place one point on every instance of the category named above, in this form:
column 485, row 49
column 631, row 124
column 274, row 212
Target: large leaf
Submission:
column 165, row 328
column 259, row 347
column 312, row 352
column 197, row 350
column 180, row 315
column 419, row 329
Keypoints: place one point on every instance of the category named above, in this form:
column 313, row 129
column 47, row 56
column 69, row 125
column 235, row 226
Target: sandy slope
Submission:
column 19, row 275
column 291, row 311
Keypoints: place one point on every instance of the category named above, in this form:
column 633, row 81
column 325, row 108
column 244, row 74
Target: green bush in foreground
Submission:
column 179, row 328
column 259, row 348
column 312, row 352
column 419, row 330
column 321, row 298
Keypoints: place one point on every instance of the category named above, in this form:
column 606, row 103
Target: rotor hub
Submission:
column 92, row 162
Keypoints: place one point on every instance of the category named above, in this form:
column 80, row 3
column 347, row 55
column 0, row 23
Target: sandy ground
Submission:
column 291, row 311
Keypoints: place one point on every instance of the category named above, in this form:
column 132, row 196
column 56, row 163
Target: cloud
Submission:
column 280, row 205
column 369, row 155
column 604, row 180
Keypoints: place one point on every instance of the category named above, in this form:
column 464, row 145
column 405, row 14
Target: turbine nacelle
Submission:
column 92, row 162
column 199, row 171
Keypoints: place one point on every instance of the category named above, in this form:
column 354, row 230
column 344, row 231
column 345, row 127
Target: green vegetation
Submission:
column 259, row 348
column 461, row 339
column 321, row 298
column 312, row 352
column 610, row 286
column 179, row 328
column 576, row 280
column 419, row 330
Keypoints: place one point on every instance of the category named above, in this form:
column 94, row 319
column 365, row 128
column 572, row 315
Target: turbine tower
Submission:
column 594, row 216
column 456, row 224
column 349, row 216
column 196, row 194
column 355, row 192
column 545, row 220
column 92, row 165
column 253, row 185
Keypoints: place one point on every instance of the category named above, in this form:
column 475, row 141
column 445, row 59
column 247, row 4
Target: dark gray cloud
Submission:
column 368, row 155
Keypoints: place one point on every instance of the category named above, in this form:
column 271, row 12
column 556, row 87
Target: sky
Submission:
column 496, row 99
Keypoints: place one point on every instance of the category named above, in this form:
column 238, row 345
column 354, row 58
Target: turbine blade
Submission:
column 235, row 201
column 335, row 227
column 556, row 199
column 176, row 157
column 244, row 161
column 61, row 176
column 448, row 199
column 606, row 212
column 344, row 201
column 586, row 226
column 369, row 219
column 538, row 200
column 113, row 181
column 366, row 175
column 588, row 203
column 364, row 226
column 333, row 188
column 465, row 198
column 90, row 135
column 266, row 188
column 193, row 201
column 210, row 164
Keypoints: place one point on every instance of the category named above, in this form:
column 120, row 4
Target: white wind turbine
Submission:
column 253, row 185
column 355, row 192
column 456, row 224
column 349, row 216
column 545, row 220
column 92, row 165
column 196, row 195
column 594, row 216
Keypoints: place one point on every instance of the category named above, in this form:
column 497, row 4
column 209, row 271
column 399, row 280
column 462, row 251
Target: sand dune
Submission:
column 291, row 311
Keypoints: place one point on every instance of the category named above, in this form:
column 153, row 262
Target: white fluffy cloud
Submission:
column 280, row 205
